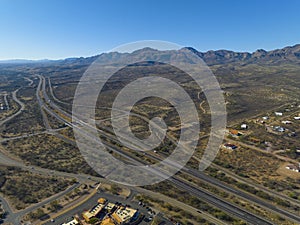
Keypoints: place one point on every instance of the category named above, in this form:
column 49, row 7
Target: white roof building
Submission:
column 72, row 222
column 244, row 126
column 293, row 168
column 286, row 122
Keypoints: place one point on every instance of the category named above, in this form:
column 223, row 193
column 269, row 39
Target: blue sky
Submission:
column 35, row 29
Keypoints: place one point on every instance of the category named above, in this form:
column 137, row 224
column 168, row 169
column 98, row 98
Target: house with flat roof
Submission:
column 230, row 146
column 286, row 122
column 279, row 129
column 293, row 167
column 110, row 207
column 244, row 126
column 72, row 222
column 123, row 215
column 278, row 113
column 234, row 133
column 95, row 211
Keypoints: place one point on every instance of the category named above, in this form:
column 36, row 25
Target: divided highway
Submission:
column 199, row 193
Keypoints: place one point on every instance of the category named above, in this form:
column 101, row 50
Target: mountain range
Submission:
column 290, row 54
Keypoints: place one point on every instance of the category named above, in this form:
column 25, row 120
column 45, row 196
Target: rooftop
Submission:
column 123, row 214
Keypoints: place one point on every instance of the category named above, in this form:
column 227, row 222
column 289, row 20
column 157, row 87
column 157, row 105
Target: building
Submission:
column 265, row 117
column 278, row 113
column 72, row 222
column 244, row 126
column 292, row 134
column 279, row 129
column 101, row 200
column 123, row 215
column 110, row 207
column 286, row 122
column 95, row 211
column 235, row 133
column 297, row 117
column 293, row 167
column 230, row 146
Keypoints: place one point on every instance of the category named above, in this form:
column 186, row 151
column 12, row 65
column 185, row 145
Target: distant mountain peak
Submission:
column 212, row 57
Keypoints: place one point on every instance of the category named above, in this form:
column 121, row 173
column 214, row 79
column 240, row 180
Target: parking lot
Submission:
column 142, row 208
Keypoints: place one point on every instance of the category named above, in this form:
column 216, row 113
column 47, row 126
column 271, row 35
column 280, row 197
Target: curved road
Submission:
column 209, row 197
column 22, row 107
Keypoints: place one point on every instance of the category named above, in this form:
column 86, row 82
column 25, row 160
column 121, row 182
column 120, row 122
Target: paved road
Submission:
column 93, row 201
column 15, row 218
column 199, row 193
column 6, row 102
column 22, row 107
column 6, row 207
column 257, row 186
column 216, row 183
column 29, row 80
column 44, row 116
column 53, row 95
column 214, row 200
column 202, row 176
column 50, row 131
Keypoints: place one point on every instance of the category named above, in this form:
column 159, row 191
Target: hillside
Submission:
column 252, row 82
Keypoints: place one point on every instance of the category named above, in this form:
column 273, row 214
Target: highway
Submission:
column 209, row 197
column 208, row 179
column 199, row 175
column 178, row 182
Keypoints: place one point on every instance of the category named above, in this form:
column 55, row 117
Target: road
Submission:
column 93, row 201
column 257, row 186
column 239, row 143
column 52, row 94
column 6, row 207
column 29, row 80
column 44, row 116
column 16, row 217
column 22, row 107
column 209, row 197
column 212, row 181
column 6, row 102
column 202, row 194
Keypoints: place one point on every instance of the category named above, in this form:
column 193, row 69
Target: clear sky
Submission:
column 39, row 29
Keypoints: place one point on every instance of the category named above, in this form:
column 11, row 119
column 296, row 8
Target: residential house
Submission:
column 278, row 113
column 293, row 168
column 230, row 146
column 244, row 126
column 279, row 129
column 235, row 133
column 286, row 122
